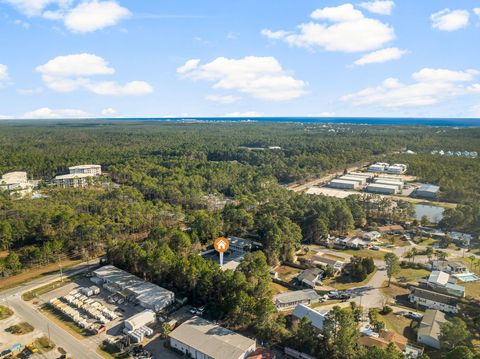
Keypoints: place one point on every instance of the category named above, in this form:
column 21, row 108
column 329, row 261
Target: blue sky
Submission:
column 128, row 58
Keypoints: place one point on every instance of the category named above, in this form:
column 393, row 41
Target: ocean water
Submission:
column 450, row 122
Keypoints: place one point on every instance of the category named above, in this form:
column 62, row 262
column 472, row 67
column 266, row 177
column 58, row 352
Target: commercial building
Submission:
column 201, row 339
column 132, row 288
column 92, row 170
column 288, row 300
column 382, row 188
column 427, row 191
column 434, row 300
column 72, row 180
column 430, row 327
column 140, row 320
column 343, row 184
column 317, row 319
column 16, row 183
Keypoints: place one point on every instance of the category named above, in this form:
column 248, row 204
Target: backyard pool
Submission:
column 467, row 277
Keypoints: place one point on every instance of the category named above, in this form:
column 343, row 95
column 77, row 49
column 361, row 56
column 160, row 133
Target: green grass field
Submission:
column 5, row 312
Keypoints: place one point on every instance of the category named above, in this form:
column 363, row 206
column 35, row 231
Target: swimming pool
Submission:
column 467, row 277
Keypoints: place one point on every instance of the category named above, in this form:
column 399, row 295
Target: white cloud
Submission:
column 87, row 16
column 380, row 56
column 73, row 72
column 244, row 114
column 30, row 91
column 260, row 77
column 431, row 86
column 344, row 29
column 4, row 73
column 36, row 7
column 227, row 99
column 450, row 20
column 477, row 11
column 382, row 7
column 95, row 15
column 47, row 113
column 109, row 112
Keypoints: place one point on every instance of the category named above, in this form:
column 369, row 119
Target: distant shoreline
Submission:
column 435, row 122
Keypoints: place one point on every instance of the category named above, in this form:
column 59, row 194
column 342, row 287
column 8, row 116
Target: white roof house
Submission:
column 203, row 339
column 291, row 299
column 439, row 278
column 316, row 318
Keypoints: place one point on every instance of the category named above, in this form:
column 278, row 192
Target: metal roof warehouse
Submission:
column 148, row 295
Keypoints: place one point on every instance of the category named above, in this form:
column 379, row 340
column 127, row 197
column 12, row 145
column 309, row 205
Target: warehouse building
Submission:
column 361, row 180
column 132, row 288
column 427, row 191
column 397, row 169
column 378, row 167
column 361, row 174
column 382, row 188
column 343, row 184
column 397, row 184
column 201, row 339
column 140, row 320
column 92, row 170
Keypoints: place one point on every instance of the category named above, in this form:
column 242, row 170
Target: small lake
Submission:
column 434, row 214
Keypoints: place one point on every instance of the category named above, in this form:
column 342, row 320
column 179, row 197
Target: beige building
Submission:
column 72, row 180
column 201, row 339
column 92, row 170
column 16, row 183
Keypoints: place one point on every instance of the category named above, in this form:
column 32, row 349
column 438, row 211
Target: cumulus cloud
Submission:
column 227, row 99
column 109, row 112
column 430, row 86
column 48, row 113
column 477, row 11
column 381, row 7
column 343, row 28
column 86, row 16
column 4, row 73
column 260, row 77
column 380, row 56
column 450, row 20
column 73, row 72
column 95, row 15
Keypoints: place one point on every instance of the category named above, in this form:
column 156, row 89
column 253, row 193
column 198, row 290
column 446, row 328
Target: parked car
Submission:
column 375, row 248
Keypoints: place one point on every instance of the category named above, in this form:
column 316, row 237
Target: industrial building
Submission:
column 396, row 169
column 427, row 191
column 361, row 180
column 382, row 188
column 378, row 167
column 361, row 174
column 201, row 339
column 287, row 300
column 343, row 184
column 140, row 320
column 132, row 288
column 387, row 182
column 92, row 170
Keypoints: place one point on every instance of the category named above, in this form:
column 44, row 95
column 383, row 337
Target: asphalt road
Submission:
column 77, row 349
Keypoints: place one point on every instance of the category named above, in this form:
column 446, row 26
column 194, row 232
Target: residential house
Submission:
column 372, row 236
column 391, row 229
column 442, row 282
column 434, row 300
column 317, row 319
column 429, row 329
column 288, row 300
column 448, row 267
column 324, row 262
column 310, row 277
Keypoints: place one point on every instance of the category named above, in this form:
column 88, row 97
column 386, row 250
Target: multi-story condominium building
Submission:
column 93, row 170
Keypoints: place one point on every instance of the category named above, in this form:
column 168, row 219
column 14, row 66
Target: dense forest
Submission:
column 170, row 188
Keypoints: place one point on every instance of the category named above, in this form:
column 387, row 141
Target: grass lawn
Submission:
column 20, row 328
column 44, row 344
column 399, row 324
column 64, row 322
column 364, row 253
column 411, row 275
column 397, row 240
column 472, row 289
column 426, row 242
column 5, row 312
column 287, row 273
column 393, row 291
column 277, row 288
column 34, row 273
column 27, row 296
column 330, row 302
column 344, row 282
